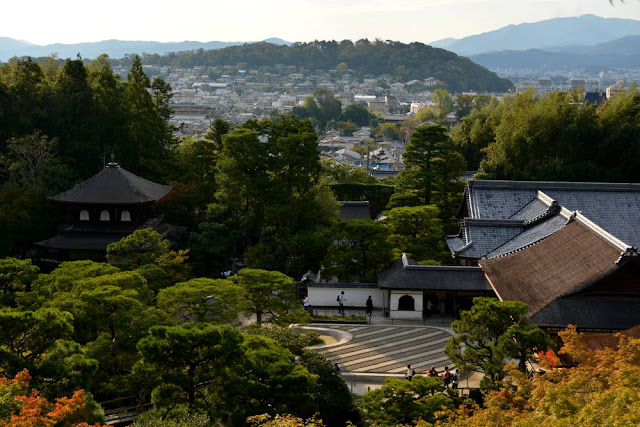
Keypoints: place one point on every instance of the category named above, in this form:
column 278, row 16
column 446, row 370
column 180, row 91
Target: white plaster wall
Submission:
column 354, row 297
column 397, row 314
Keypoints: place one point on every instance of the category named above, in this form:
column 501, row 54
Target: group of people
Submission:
column 341, row 300
column 449, row 379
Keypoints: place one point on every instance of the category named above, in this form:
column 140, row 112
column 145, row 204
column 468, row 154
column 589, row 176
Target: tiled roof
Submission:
column 618, row 212
column 483, row 237
column 557, row 266
column 455, row 243
column 405, row 274
column 533, row 209
column 354, row 210
column 342, row 285
column 93, row 241
column 530, row 236
column 588, row 312
column 498, row 203
column 114, row 186
column 613, row 207
column 502, row 199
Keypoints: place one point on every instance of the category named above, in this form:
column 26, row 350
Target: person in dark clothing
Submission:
column 446, row 377
column 369, row 305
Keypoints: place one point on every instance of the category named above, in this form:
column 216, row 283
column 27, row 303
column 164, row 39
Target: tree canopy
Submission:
column 550, row 138
column 491, row 332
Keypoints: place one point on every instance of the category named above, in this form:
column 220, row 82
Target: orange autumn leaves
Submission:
column 21, row 406
column 600, row 388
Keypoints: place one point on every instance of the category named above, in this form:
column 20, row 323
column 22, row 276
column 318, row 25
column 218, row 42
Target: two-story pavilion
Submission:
column 103, row 209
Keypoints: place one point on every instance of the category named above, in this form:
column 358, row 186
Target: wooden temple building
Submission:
column 102, row 210
column 568, row 250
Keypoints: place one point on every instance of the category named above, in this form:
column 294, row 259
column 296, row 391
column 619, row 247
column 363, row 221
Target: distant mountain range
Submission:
column 586, row 41
column 114, row 48
column 586, row 30
column 620, row 53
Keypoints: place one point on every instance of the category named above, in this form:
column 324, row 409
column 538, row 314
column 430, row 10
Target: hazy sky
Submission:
column 73, row 21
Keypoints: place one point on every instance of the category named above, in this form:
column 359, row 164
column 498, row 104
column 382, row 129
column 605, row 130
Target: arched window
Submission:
column 104, row 216
column 125, row 216
column 406, row 303
column 84, row 215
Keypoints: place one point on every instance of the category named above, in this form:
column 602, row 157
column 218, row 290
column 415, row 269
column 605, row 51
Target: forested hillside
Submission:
column 403, row 61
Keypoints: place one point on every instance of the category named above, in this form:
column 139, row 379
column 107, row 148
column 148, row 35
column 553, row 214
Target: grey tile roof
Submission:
column 593, row 312
column 498, row 203
column 404, row 274
column 342, row 285
column 530, row 236
column 354, row 210
column 485, row 237
column 533, row 209
column 455, row 243
column 618, row 212
column 502, row 199
column 93, row 241
column 613, row 207
column 114, row 186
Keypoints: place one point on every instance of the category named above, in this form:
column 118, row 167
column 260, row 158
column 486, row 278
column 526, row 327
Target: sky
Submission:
column 74, row 21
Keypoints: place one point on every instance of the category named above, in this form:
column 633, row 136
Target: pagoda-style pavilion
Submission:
column 105, row 208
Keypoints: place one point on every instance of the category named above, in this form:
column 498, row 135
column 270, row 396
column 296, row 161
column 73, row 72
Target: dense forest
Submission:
column 236, row 189
column 402, row 61
column 555, row 138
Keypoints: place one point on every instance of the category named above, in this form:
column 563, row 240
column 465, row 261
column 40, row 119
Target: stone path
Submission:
column 387, row 350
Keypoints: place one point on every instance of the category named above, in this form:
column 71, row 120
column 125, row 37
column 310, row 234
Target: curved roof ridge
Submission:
column 523, row 247
column 553, row 209
column 601, row 232
column 113, row 185
column 130, row 178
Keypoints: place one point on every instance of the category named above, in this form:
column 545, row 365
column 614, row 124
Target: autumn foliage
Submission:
column 285, row 420
column 600, row 389
column 21, row 406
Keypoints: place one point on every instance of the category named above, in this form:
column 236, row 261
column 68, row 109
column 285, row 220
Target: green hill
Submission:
column 403, row 61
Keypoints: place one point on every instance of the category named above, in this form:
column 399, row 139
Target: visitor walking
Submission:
column 341, row 300
column 446, row 377
column 410, row 373
column 306, row 305
column 455, row 379
column 432, row 372
column 369, row 305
